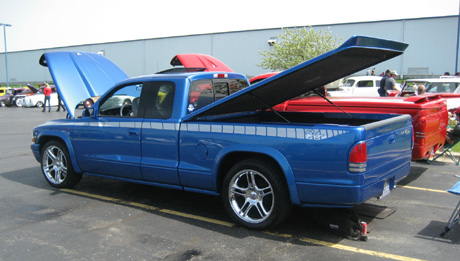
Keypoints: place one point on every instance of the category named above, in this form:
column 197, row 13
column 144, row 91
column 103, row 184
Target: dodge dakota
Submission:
column 208, row 132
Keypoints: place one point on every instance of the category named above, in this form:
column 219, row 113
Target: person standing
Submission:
column 382, row 91
column 60, row 103
column 390, row 83
column 47, row 91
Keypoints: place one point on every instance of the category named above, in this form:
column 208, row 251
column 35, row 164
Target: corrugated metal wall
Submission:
column 432, row 49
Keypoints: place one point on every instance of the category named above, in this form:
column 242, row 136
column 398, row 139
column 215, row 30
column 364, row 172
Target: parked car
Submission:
column 432, row 85
column 360, row 86
column 5, row 96
column 13, row 96
column 429, row 115
column 30, row 90
column 3, row 90
column 261, row 77
column 446, row 87
column 37, row 99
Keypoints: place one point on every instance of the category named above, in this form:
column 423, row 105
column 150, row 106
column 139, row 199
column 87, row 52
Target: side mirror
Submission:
column 88, row 103
column 88, row 112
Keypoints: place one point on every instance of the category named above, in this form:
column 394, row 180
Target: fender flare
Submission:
column 277, row 156
column 51, row 134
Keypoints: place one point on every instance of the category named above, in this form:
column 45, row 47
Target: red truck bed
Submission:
column 429, row 115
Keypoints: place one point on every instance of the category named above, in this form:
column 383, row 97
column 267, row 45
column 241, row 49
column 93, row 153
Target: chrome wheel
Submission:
column 255, row 193
column 54, row 165
column 251, row 196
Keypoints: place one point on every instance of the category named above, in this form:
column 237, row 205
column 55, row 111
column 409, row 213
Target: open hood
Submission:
column 80, row 75
column 206, row 62
column 32, row 88
column 358, row 53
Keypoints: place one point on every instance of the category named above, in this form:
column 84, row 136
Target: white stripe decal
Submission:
column 293, row 133
column 205, row 128
column 261, row 131
column 227, row 129
column 271, row 131
column 216, row 128
column 280, row 132
column 169, row 126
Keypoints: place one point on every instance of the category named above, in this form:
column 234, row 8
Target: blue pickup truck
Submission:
column 208, row 132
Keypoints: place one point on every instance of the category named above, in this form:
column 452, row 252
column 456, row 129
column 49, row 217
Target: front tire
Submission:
column 57, row 166
column 18, row 102
column 39, row 104
column 255, row 194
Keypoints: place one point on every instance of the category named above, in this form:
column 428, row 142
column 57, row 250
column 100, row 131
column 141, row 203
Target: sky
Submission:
column 38, row 24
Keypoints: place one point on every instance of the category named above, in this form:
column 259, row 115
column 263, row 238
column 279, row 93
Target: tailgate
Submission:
column 389, row 145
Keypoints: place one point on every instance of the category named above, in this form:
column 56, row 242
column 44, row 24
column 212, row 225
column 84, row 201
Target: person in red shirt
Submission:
column 47, row 91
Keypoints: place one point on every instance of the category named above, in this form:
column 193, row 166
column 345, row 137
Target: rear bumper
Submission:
column 425, row 146
column 330, row 195
column 424, row 152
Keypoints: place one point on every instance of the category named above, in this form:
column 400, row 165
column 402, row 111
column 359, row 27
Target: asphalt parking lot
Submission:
column 103, row 219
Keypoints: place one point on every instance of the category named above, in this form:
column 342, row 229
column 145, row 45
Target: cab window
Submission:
column 123, row 102
column 365, row 84
column 158, row 99
column 205, row 92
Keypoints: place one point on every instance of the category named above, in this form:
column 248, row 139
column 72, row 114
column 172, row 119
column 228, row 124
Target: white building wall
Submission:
column 432, row 49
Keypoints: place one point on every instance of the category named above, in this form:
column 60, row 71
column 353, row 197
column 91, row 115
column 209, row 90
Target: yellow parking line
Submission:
column 208, row 220
column 228, row 224
column 424, row 189
column 347, row 248
column 144, row 206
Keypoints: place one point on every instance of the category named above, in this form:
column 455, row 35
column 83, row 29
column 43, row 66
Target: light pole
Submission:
column 6, row 53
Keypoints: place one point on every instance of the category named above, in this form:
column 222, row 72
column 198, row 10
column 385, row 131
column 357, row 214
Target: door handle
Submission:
column 133, row 132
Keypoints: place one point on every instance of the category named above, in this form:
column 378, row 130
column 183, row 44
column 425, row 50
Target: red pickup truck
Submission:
column 429, row 115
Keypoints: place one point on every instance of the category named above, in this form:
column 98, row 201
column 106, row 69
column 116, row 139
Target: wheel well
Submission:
column 46, row 139
column 234, row 157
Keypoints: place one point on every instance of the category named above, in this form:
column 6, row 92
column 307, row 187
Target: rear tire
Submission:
column 57, row 166
column 39, row 104
column 255, row 194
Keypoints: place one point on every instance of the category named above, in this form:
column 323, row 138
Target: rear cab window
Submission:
column 205, row 92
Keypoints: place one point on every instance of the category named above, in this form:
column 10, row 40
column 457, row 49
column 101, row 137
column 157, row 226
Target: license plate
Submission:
column 386, row 190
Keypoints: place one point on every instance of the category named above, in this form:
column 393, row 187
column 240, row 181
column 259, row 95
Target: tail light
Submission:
column 220, row 75
column 358, row 158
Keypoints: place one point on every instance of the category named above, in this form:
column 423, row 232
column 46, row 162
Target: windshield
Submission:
column 348, row 83
column 442, row 87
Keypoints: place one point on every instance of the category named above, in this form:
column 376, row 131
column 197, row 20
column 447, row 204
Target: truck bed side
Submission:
column 314, row 157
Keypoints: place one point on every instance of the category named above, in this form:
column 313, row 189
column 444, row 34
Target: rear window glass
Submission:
column 205, row 92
